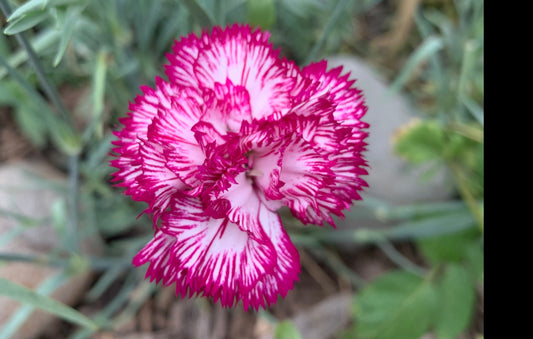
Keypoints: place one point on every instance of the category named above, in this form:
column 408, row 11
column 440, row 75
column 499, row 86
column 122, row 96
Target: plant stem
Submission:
column 98, row 264
column 337, row 265
column 73, row 172
column 37, row 259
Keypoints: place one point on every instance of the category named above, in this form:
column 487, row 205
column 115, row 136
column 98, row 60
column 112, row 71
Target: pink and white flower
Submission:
column 234, row 134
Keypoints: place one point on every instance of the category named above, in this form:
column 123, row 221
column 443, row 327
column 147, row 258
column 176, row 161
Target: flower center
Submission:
column 252, row 172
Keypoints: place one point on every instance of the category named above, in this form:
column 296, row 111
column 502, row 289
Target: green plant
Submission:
column 449, row 87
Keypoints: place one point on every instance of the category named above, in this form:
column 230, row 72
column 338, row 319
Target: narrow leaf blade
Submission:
column 430, row 46
column 27, row 8
column 25, row 23
column 72, row 15
column 199, row 13
column 25, row 295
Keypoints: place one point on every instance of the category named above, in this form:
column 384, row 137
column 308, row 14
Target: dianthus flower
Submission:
column 234, row 134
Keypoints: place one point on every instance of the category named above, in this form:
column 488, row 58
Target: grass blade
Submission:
column 22, row 313
column 27, row 8
column 40, row 42
column 474, row 109
column 199, row 13
column 26, row 22
column 339, row 8
column 430, row 46
column 67, row 30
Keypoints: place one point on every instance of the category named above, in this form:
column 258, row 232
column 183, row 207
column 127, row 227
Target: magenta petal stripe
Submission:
column 244, row 57
column 158, row 182
column 233, row 135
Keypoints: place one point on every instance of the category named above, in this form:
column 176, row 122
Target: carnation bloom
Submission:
column 234, row 134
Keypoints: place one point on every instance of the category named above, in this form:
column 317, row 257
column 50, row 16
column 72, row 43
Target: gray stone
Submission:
column 326, row 319
column 27, row 191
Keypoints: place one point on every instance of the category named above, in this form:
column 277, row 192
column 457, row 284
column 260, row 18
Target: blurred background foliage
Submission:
column 430, row 50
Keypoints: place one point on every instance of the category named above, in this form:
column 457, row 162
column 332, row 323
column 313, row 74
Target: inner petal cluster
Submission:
column 234, row 134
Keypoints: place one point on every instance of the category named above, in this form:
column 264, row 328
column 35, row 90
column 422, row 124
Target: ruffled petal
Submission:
column 210, row 257
column 306, row 161
column 301, row 172
column 243, row 56
column 164, row 114
column 158, row 182
column 142, row 112
column 285, row 272
column 227, row 106
column 337, row 195
column 163, row 263
column 182, row 60
column 243, row 202
column 350, row 106
column 219, row 171
column 172, row 130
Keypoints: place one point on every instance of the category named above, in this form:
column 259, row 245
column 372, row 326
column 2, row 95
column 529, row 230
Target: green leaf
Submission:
column 25, row 295
column 40, row 42
column 26, row 22
column 287, row 330
column 448, row 248
column 66, row 33
column 60, row 217
column 397, row 305
column 474, row 258
column 420, row 141
column 27, row 9
column 456, row 302
column 261, row 13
